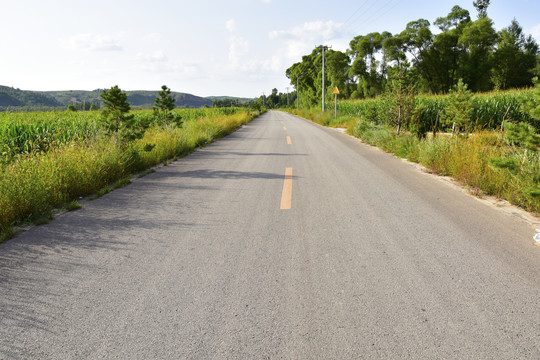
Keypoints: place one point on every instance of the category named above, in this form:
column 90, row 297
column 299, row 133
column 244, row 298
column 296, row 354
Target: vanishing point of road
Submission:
column 284, row 240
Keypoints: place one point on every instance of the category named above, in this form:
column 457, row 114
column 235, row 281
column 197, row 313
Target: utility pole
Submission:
column 287, row 95
column 324, row 48
column 297, row 94
column 263, row 98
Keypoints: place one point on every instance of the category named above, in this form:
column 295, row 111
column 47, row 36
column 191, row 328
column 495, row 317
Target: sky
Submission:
column 203, row 47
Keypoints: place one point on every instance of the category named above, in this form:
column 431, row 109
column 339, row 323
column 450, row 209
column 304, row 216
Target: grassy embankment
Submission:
column 470, row 158
column 49, row 159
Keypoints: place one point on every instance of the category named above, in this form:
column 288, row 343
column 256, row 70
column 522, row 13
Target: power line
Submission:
column 378, row 14
column 356, row 11
column 364, row 13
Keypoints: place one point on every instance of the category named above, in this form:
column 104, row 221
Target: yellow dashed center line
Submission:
column 289, row 142
column 286, row 194
column 284, row 128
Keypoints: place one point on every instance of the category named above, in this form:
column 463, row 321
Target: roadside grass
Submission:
column 146, row 172
column 35, row 183
column 72, row 206
column 121, row 183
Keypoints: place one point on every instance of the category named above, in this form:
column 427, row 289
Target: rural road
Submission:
column 284, row 240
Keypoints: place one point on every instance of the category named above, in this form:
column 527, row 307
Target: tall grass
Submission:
column 38, row 181
column 489, row 109
column 27, row 133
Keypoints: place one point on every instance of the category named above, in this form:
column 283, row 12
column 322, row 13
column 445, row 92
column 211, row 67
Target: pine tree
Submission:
column 458, row 111
column 116, row 109
column 163, row 105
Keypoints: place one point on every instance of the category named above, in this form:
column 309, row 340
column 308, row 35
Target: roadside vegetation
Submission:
column 487, row 142
column 49, row 159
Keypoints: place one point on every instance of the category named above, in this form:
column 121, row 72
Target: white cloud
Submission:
column 93, row 42
column 168, row 70
column 157, row 56
column 301, row 40
column 230, row 25
column 152, row 37
column 238, row 49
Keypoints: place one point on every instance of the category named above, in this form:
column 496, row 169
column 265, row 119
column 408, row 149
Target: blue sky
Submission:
column 203, row 47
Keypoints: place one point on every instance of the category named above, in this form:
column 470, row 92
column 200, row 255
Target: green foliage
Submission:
column 458, row 111
column 121, row 183
column 514, row 58
column 488, row 110
column 163, row 107
column 481, row 6
column 72, row 206
column 6, row 234
column 22, row 134
column 116, row 114
column 146, row 172
column 41, row 218
column 505, row 163
column 403, row 96
column 532, row 104
column 521, row 134
column 103, row 191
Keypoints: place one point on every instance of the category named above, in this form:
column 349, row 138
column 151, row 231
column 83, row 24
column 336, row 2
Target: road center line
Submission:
column 286, row 195
column 289, row 142
column 284, row 128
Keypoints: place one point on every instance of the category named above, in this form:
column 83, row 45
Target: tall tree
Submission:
column 164, row 105
column 445, row 55
column 337, row 70
column 366, row 68
column 514, row 59
column 481, row 6
column 478, row 39
column 116, row 109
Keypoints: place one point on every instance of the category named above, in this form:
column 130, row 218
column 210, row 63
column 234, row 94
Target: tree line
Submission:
column 468, row 50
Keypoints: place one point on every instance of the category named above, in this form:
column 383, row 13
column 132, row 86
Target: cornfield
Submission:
column 489, row 109
column 35, row 132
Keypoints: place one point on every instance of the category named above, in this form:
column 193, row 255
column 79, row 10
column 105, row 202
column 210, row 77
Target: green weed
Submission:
column 72, row 206
column 121, row 183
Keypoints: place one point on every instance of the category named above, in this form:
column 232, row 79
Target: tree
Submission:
column 163, row 105
column 481, row 6
column 273, row 100
column 514, row 59
column 337, row 72
column 458, row 111
column 116, row 113
column 445, row 56
column 478, row 39
column 365, row 68
column 403, row 94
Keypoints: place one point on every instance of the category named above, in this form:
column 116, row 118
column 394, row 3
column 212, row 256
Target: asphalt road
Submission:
column 261, row 246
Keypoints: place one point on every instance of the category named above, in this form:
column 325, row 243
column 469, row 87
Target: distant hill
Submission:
column 46, row 100
column 11, row 97
column 221, row 98
column 138, row 98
